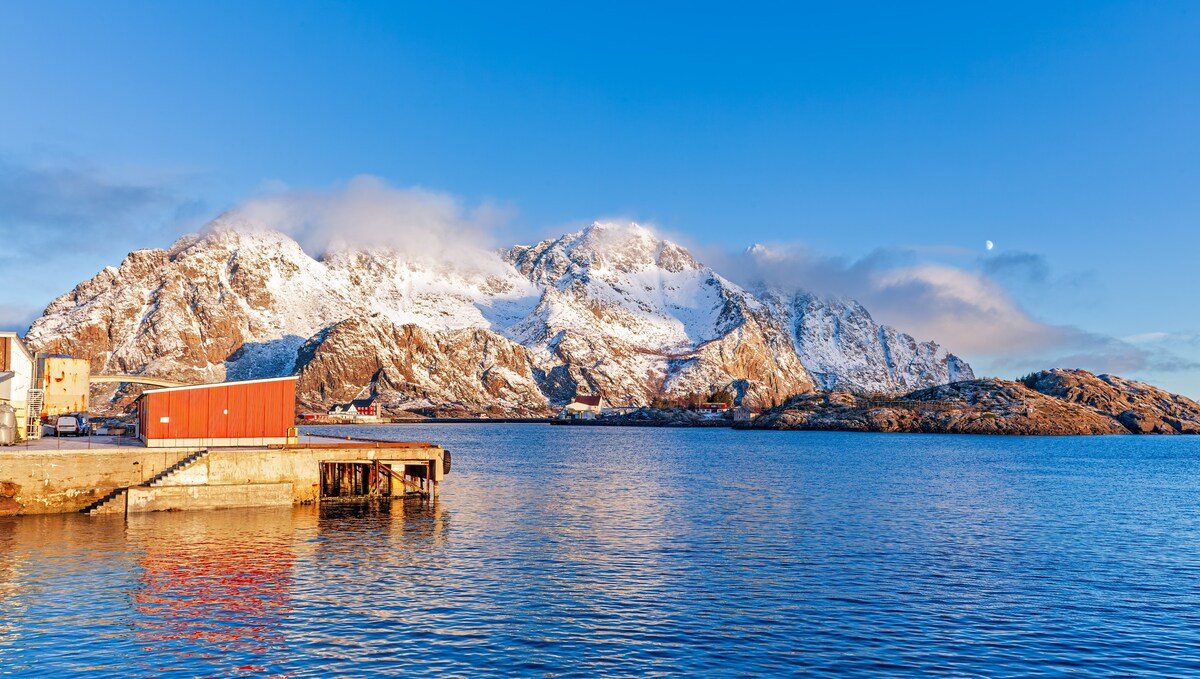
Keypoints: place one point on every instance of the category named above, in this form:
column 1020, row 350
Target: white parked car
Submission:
column 67, row 425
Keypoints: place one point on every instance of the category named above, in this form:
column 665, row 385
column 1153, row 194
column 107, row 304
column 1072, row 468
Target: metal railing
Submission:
column 33, row 414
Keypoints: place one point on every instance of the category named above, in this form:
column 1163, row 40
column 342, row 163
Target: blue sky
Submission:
column 869, row 139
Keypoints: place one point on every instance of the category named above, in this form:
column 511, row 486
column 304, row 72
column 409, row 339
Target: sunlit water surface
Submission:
column 589, row 552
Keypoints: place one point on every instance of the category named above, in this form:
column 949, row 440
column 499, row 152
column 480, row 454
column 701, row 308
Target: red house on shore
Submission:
column 359, row 407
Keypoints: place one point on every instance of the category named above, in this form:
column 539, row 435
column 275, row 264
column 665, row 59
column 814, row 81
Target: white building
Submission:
column 17, row 378
column 583, row 408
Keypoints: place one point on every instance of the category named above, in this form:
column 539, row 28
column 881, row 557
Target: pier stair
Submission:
column 161, row 477
column 114, row 502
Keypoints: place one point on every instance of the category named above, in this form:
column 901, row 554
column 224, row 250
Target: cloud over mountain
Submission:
column 367, row 212
column 965, row 301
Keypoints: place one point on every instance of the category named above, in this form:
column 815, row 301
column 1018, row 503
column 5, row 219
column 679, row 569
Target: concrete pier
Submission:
column 55, row 476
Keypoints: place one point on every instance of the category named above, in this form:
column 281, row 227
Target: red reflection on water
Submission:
column 220, row 597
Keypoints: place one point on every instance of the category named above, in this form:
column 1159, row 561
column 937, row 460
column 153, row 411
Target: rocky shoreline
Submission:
column 656, row 417
column 1049, row 403
column 1055, row 402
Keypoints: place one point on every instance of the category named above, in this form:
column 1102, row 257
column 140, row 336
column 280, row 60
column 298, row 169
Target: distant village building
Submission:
column 365, row 407
column 584, row 407
column 712, row 407
column 358, row 409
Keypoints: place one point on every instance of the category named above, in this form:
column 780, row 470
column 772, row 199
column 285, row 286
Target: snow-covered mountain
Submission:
column 844, row 349
column 611, row 309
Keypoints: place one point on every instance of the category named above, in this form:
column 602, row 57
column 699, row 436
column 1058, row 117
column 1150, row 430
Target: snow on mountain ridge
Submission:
column 845, row 349
column 646, row 289
column 611, row 308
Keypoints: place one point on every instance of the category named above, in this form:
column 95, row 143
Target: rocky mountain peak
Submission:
column 247, row 253
column 603, row 249
column 611, row 309
column 628, row 248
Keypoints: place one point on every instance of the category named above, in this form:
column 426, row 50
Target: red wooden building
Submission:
column 365, row 406
column 250, row 413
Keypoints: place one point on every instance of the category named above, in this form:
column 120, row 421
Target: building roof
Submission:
column 588, row 400
column 221, row 384
column 363, row 402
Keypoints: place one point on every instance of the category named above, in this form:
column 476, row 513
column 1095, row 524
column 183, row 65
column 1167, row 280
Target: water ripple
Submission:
column 572, row 552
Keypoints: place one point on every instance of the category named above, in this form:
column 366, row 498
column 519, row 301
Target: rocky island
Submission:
column 1051, row 402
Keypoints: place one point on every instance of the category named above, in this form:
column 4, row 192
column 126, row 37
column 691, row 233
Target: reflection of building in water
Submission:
column 406, row 527
column 214, row 584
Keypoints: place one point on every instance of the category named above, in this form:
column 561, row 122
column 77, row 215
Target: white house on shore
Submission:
column 583, row 408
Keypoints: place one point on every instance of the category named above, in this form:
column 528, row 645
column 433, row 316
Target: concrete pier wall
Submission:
column 51, row 481
column 178, row 498
column 54, row 481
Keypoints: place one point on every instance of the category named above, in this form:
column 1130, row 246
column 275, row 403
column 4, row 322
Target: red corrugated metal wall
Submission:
column 237, row 412
column 177, row 410
column 156, row 407
column 142, row 417
column 273, row 403
column 233, row 410
column 218, row 419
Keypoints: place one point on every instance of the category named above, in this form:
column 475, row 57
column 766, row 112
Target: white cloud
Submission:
column 968, row 310
column 368, row 212
column 960, row 309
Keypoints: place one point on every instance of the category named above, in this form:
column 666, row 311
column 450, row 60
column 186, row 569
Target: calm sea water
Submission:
column 591, row 552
